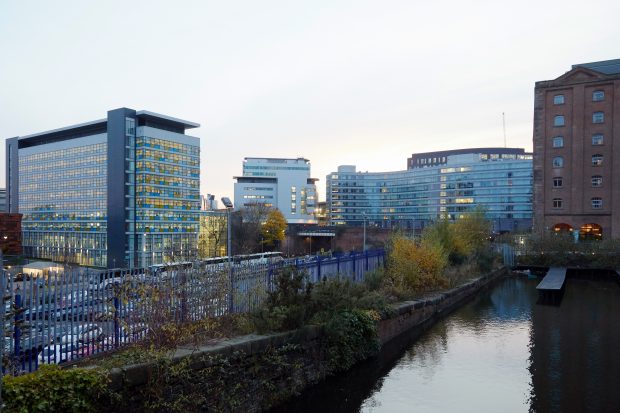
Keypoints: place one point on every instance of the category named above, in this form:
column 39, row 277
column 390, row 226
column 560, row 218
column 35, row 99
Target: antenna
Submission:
column 504, row 122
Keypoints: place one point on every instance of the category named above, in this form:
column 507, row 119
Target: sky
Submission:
column 363, row 83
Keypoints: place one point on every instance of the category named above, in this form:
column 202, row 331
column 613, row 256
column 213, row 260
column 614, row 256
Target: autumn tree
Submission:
column 273, row 229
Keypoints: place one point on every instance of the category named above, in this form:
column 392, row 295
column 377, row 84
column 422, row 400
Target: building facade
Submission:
column 496, row 179
column 576, row 165
column 10, row 233
column 280, row 183
column 122, row 191
column 213, row 235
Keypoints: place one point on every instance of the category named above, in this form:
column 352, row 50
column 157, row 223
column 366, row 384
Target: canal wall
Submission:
column 255, row 372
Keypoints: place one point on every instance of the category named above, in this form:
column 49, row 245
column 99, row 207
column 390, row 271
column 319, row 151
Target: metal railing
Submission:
column 67, row 316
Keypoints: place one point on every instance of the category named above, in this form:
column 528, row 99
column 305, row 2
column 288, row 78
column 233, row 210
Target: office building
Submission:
column 3, row 200
column 122, row 191
column 213, row 235
column 576, row 164
column 447, row 186
column 280, row 183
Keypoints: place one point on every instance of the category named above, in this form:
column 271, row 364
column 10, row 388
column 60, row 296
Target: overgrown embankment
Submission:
column 303, row 333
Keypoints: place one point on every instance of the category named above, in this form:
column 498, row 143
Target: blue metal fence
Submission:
column 66, row 316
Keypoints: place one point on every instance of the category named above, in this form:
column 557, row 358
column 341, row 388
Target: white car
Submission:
column 84, row 333
column 56, row 354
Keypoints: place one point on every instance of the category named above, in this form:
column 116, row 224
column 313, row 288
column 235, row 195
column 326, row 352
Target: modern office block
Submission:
column 576, row 163
column 496, row 179
column 281, row 183
column 122, row 191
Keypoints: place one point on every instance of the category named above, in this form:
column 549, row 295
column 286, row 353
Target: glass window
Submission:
column 597, row 181
column 557, row 182
column 597, row 203
column 598, row 117
column 558, row 142
column 558, row 162
column 598, row 95
column 558, row 100
column 558, row 120
column 597, row 160
column 597, row 139
column 557, row 202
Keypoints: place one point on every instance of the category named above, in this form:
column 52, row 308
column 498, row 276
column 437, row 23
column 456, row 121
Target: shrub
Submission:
column 52, row 389
column 351, row 337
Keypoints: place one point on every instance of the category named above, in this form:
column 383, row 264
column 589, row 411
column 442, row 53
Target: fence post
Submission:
column 232, row 289
column 18, row 317
column 366, row 255
column 338, row 264
column 318, row 268
column 116, row 321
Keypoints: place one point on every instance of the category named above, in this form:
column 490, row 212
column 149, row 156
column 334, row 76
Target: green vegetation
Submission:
column 561, row 250
column 52, row 389
column 446, row 255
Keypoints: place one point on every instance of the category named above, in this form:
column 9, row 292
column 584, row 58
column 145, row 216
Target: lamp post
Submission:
column 229, row 206
column 364, row 216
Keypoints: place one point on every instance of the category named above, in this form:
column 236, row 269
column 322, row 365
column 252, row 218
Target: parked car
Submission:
column 57, row 353
column 84, row 333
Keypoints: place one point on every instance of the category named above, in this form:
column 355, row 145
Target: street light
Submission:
column 364, row 216
column 229, row 206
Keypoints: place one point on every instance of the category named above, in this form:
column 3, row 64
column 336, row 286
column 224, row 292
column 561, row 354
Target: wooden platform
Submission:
column 554, row 280
column 551, row 288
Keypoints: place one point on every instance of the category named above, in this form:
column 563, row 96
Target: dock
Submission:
column 551, row 288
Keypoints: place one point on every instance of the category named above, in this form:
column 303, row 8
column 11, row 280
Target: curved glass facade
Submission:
column 410, row 199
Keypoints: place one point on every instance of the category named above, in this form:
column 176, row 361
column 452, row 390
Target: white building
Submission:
column 281, row 183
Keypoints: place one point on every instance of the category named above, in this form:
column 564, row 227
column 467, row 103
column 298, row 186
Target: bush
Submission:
column 287, row 307
column 52, row 389
column 351, row 337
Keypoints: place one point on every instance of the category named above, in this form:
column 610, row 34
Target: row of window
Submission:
column 597, row 117
column 558, row 141
column 596, row 181
column 558, row 161
column 597, row 96
column 596, row 203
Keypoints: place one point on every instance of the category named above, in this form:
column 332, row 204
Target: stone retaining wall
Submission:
column 255, row 372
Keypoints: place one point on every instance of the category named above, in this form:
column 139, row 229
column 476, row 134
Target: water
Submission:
column 499, row 353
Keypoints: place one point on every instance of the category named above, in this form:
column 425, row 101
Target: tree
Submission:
column 273, row 229
column 246, row 227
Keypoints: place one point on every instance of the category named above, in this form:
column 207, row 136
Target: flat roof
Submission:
column 186, row 123
column 66, row 128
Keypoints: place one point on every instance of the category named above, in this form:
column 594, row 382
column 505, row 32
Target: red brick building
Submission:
column 11, row 233
column 576, row 162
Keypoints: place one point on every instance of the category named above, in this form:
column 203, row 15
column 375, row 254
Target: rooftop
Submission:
column 608, row 67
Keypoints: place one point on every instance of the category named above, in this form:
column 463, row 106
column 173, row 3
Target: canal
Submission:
column 501, row 352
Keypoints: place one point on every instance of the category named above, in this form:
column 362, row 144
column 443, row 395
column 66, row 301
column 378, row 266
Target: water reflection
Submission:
column 500, row 352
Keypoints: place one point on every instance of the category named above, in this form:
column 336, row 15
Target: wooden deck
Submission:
column 554, row 280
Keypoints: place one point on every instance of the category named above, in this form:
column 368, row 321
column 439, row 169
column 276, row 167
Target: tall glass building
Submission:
column 444, row 184
column 116, row 192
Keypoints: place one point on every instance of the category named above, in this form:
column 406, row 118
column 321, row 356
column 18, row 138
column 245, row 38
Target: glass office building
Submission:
column 444, row 184
column 117, row 192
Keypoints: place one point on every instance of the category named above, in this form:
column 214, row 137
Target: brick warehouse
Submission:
column 576, row 165
column 11, row 233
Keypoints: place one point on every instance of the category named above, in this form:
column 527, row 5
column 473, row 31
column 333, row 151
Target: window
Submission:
column 557, row 203
column 558, row 162
column 557, row 182
column 597, row 160
column 558, row 120
column 597, row 139
column 598, row 117
column 598, row 96
column 597, row 203
column 597, row 181
column 558, row 142
column 558, row 100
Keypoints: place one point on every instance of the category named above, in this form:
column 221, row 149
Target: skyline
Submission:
column 335, row 82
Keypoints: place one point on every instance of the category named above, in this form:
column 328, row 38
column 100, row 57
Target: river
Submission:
column 501, row 352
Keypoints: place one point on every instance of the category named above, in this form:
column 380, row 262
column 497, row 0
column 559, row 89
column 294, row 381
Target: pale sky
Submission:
column 338, row 82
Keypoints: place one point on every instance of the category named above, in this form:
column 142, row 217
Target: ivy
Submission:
column 52, row 389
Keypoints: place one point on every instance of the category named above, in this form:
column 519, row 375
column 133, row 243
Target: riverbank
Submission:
column 256, row 372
